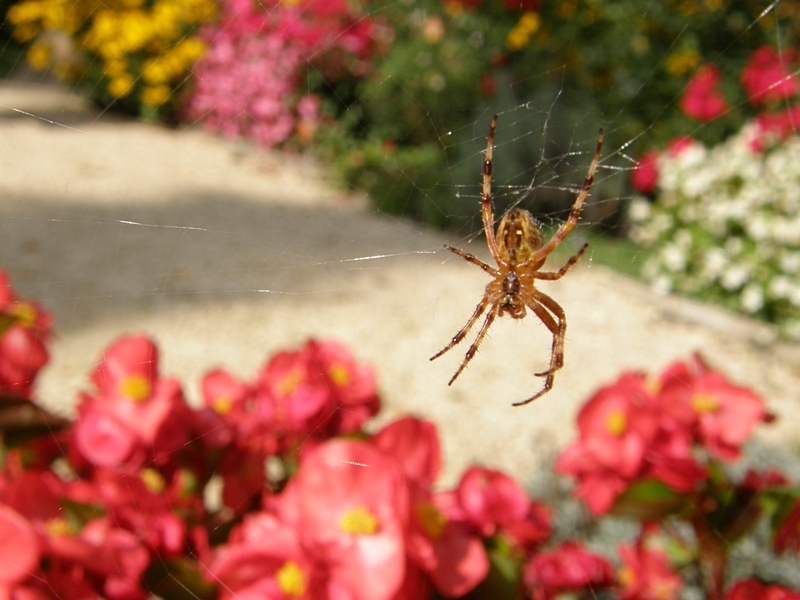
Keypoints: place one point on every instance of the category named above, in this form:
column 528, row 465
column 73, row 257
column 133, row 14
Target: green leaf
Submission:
column 649, row 499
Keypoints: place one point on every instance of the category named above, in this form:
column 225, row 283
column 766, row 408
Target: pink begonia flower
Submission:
column 19, row 549
column 491, row 499
column 644, row 177
column 775, row 127
column 443, row 544
column 765, row 77
column 135, row 415
column 724, row 414
column 646, row 574
column 414, row 444
column 140, row 503
column 225, row 418
column 265, row 559
column 349, row 502
column 22, row 345
column 631, row 430
column 568, row 568
column 527, row 533
column 679, row 144
column 106, row 551
column 753, row 589
column 319, row 391
column 701, row 98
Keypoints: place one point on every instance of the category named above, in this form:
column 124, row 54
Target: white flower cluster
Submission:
column 726, row 226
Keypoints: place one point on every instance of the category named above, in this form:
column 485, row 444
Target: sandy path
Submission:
column 225, row 254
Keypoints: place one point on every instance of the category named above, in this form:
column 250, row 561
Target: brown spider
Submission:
column 519, row 251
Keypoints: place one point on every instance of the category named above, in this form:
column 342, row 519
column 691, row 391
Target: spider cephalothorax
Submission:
column 519, row 252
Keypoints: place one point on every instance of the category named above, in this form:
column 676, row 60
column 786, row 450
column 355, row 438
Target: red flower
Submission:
column 349, row 503
column 136, row 416
column 679, row 143
column 787, row 536
column 615, row 427
column 724, row 414
column 444, row 546
column 701, row 99
column 264, row 559
column 644, row 176
column 765, row 77
column 752, row 589
column 491, row 499
column 318, row 391
column 414, row 444
column 525, row 5
column 533, row 529
column 568, row 568
column 22, row 349
column 646, row 574
column 19, row 549
column 774, row 127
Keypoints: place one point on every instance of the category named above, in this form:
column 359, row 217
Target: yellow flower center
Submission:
column 25, row 314
column 339, row 375
column 222, row 405
column 289, row 383
column 359, row 521
column 626, row 576
column 135, row 387
column 430, row 519
column 703, row 403
column 291, row 579
column 616, row 422
column 58, row 526
column 152, row 480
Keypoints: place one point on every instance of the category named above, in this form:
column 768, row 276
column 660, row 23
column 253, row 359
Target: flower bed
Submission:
column 272, row 488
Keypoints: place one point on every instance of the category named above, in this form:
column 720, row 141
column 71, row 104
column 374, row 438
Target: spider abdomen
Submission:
column 518, row 236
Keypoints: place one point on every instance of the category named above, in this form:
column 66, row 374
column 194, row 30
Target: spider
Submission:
column 519, row 251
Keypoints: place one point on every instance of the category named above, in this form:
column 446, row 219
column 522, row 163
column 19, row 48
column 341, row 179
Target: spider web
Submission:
column 226, row 254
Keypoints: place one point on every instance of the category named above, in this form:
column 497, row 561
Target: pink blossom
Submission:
column 349, row 503
column 775, row 127
column 644, row 176
column 19, row 548
column 491, row 499
column 765, row 77
column 568, row 568
column 701, row 98
column 414, row 444
column 444, row 545
column 753, row 589
column 135, row 415
column 22, row 345
column 646, row 574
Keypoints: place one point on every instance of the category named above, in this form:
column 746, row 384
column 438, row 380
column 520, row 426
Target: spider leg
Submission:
column 540, row 304
column 490, row 270
column 464, row 330
column 563, row 270
column 486, row 198
column 569, row 224
column 490, row 316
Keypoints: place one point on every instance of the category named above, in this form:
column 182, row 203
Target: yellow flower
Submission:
column 517, row 39
column 121, row 86
column 38, row 56
column 25, row 31
column 156, row 96
column 530, row 22
column 135, row 30
column 190, row 50
column 155, row 72
column 24, row 12
column 165, row 23
column 115, row 68
column 681, row 62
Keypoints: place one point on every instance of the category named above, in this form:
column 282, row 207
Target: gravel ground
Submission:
column 225, row 254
